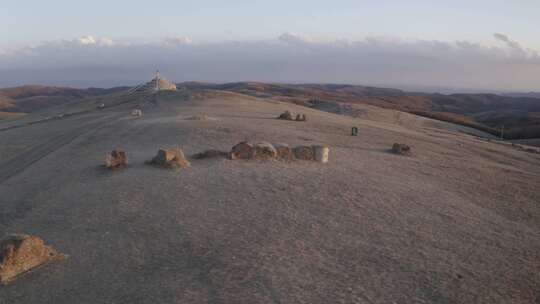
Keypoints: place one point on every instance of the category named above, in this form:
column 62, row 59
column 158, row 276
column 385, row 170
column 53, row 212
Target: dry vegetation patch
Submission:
column 210, row 154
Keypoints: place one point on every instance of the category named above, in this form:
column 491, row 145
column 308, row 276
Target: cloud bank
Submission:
column 93, row 61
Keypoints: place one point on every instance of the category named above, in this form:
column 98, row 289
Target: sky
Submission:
column 470, row 45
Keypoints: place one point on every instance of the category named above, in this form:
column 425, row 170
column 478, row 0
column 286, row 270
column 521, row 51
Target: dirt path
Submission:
column 26, row 158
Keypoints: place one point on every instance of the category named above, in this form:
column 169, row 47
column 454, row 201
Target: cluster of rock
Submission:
column 401, row 149
column 287, row 115
column 20, row 253
column 168, row 158
column 267, row 151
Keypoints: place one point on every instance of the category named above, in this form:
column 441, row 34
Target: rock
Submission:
column 300, row 117
column 243, row 150
column 170, row 158
column 264, row 151
column 116, row 159
column 321, row 153
column 287, row 115
column 20, row 253
column 303, row 153
column 136, row 113
column 284, row 152
column 401, row 149
column 210, row 154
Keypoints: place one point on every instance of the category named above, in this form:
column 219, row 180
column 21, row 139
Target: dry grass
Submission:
column 457, row 223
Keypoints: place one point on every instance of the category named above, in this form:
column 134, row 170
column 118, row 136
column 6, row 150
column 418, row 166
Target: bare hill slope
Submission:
column 456, row 222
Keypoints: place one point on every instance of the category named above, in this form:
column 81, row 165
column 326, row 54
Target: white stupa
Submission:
column 157, row 84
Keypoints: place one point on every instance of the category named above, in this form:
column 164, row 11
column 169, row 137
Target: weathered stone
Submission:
column 20, row 253
column 321, row 153
column 284, row 152
column 401, row 149
column 243, row 150
column 170, row 158
column 116, row 159
column 303, row 153
column 264, row 150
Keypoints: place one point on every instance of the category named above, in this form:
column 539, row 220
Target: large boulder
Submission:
column 303, row 153
column 243, row 150
column 321, row 153
column 284, row 152
column 20, row 253
column 264, row 151
column 116, row 159
column 170, row 158
column 401, row 149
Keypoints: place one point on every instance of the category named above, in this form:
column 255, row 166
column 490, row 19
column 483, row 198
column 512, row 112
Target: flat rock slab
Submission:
column 20, row 253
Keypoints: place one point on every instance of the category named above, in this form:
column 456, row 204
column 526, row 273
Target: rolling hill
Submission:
column 486, row 112
column 517, row 117
column 31, row 98
column 456, row 222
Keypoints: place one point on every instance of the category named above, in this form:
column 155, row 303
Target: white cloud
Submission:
column 90, row 40
column 290, row 57
column 294, row 38
column 174, row 41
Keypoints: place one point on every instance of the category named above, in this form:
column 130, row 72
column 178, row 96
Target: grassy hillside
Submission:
column 520, row 115
column 31, row 98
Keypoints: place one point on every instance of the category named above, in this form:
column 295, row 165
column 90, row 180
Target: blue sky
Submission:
column 32, row 21
column 475, row 45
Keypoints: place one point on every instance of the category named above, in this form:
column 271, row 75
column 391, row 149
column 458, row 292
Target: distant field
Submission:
column 9, row 115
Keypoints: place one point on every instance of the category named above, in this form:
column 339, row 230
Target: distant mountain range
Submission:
column 530, row 94
column 519, row 114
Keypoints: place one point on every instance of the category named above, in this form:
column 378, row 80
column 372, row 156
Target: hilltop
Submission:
column 456, row 222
